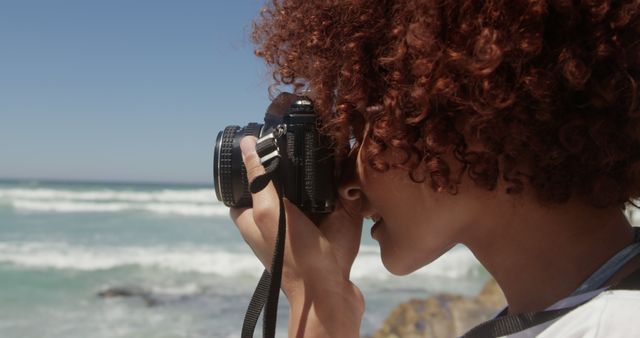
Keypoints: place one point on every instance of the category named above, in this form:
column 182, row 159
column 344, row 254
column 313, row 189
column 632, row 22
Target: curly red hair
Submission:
column 553, row 84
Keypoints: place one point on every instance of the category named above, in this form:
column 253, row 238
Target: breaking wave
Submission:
column 196, row 202
column 164, row 195
column 182, row 209
column 41, row 255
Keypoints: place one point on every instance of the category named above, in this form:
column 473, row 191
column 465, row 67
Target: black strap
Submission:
column 509, row 324
column 260, row 182
column 267, row 291
column 255, row 305
column 271, row 310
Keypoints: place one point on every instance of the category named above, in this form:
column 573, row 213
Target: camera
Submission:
column 305, row 171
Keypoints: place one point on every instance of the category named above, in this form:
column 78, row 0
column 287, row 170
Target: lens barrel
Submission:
column 229, row 172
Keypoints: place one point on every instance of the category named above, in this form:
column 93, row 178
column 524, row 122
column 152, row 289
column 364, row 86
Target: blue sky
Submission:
column 124, row 90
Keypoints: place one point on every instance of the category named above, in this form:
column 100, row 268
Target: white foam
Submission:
column 177, row 290
column 67, row 206
column 164, row 195
column 456, row 263
column 185, row 209
column 75, row 257
column 194, row 202
column 182, row 209
column 41, row 255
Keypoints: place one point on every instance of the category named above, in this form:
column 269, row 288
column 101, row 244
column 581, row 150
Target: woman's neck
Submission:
column 539, row 255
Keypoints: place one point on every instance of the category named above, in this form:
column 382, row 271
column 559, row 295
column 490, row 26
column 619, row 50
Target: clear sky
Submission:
column 122, row 89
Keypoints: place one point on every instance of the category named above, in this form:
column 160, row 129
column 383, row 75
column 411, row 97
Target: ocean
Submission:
column 169, row 255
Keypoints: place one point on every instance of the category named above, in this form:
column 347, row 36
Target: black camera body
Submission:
column 306, row 167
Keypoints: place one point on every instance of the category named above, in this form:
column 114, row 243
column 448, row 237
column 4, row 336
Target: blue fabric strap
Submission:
column 606, row 271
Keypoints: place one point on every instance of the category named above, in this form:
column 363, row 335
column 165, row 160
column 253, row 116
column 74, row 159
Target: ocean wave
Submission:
column 457, row 262
column 40, row 255
column 163, row 195
column 75, row 257
column 181, row 209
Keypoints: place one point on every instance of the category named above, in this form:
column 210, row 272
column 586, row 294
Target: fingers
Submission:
column 265, row 202
column 345, row 219
column 343, row 227
column 339, row 232
column 250, row 157
column 300, row 230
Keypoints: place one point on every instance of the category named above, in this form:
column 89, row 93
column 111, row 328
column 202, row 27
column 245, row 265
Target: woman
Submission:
column 512, row 127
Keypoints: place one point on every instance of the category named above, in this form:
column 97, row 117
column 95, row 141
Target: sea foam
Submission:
column 66, row 256
column 182, row 209
column 164, row 195
column 42, row 255
column 195, row 202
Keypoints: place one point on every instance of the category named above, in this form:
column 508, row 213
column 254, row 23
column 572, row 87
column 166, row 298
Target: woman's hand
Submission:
column 317, row 259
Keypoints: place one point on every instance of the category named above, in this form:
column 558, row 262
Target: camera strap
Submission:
column 267, row 292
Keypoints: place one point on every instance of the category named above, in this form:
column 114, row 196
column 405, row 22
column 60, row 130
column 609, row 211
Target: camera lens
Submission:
column 229, row 172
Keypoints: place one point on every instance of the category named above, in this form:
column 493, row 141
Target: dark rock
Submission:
column 443, row 315
column 119, row 292
column 127, row 292
column 148, row 297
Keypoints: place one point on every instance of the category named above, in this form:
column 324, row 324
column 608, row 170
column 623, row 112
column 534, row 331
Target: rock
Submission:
column 442, row 315
column 149, row 297
column 124, row 292
column 119, row 292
